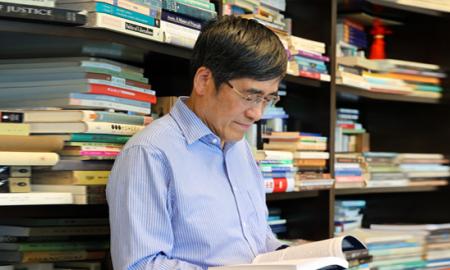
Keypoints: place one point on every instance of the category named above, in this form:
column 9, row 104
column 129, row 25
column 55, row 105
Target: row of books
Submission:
column 63, row 122
column 45, row 243
column 415, row 246
column 293, row 161
column 176, row 22
column 391, row 76
column 388, row 169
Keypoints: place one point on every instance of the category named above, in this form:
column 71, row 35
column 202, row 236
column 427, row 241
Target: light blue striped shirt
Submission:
column 177, row 200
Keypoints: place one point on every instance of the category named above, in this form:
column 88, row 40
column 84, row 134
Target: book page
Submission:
column 333, row 247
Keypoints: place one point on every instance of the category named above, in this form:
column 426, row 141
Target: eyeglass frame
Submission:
column 257, row 99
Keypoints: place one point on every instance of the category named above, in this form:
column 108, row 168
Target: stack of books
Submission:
column 310, row 157
column 348, row 170
column 436, row 244
column 266, row 12
column 352, row 33
column 383, row 170
column 393, row 249
column 182, row 20
column 350, row 133
column 138, row 18
column 348, row 215
column 277, row 169
column 391, row 76
column 424, row 169
column 306, row 58
column 86, row 140
column 40, row 243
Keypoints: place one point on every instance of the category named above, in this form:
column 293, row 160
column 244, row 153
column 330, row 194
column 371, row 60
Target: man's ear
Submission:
column 202, row 80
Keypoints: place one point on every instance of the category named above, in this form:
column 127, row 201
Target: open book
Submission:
column 326, row 254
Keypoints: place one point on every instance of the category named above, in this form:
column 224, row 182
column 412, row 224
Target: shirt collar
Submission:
column 192, row 127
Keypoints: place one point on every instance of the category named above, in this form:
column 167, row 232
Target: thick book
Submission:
column 85, row 127
column 79, row 165
column 36, row 198
column 102, row 20
column 28, row 158
column 70, row 177
column 14, row 129
column 31, row 143
column 114, row 10
column 49, row 256
column 43, row 14
column 97, row 87
column 330, row 253
column 24, row 231
column 27, row 116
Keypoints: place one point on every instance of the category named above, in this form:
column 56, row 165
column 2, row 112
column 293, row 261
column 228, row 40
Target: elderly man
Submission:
column 186, row 193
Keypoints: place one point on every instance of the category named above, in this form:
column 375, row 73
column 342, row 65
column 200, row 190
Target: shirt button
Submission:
column 244, row 224
column 214, row 141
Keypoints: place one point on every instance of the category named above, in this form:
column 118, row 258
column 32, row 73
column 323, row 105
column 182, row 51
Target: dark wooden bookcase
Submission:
column 396, row 123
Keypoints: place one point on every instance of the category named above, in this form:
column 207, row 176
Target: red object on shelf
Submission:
column 378, row 31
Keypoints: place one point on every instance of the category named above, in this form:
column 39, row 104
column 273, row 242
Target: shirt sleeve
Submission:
column 140, row 211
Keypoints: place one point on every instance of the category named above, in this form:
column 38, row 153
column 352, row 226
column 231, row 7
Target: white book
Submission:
column 36, row 198
column 85, row 127
column 178, row 35
column 311, row 155
column 403, row 63
column 28, row 158
column 102, row 20
column 308, row 256
column 273, row 155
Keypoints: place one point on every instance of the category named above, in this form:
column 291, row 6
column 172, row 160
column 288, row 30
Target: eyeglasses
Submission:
column 252, row 100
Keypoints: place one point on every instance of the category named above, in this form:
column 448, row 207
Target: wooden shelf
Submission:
column 304, row 81
column 391, row 11
column 101, row 35
column 352, row 93
column 358, row 191
column 293, row 195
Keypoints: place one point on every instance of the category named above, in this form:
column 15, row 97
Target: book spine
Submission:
column 121, row 118
column 17, row 129
column 282, row 184
column 11, row 117
column 195, row 3
column 34, row 198
column 111, row 128
column 126, row 14
column 40, row 3
column 41, row 13
column 131, row 102
column 83, row 137
column 191, row 11
column 181, row 20
column 123, row 83
column 121, row 93
column 98, row 153
column 28, row 158
column 125, row 26
column 179, row 37
column 61, row 246
column 91, row 103
column 52, row 256
column 313, row 56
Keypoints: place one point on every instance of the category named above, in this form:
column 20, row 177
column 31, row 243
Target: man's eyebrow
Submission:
column 259, row 91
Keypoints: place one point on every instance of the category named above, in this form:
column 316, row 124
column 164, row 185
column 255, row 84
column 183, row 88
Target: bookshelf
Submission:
column 311, row 105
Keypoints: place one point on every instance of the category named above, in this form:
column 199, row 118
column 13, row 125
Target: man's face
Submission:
column 229, row 115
